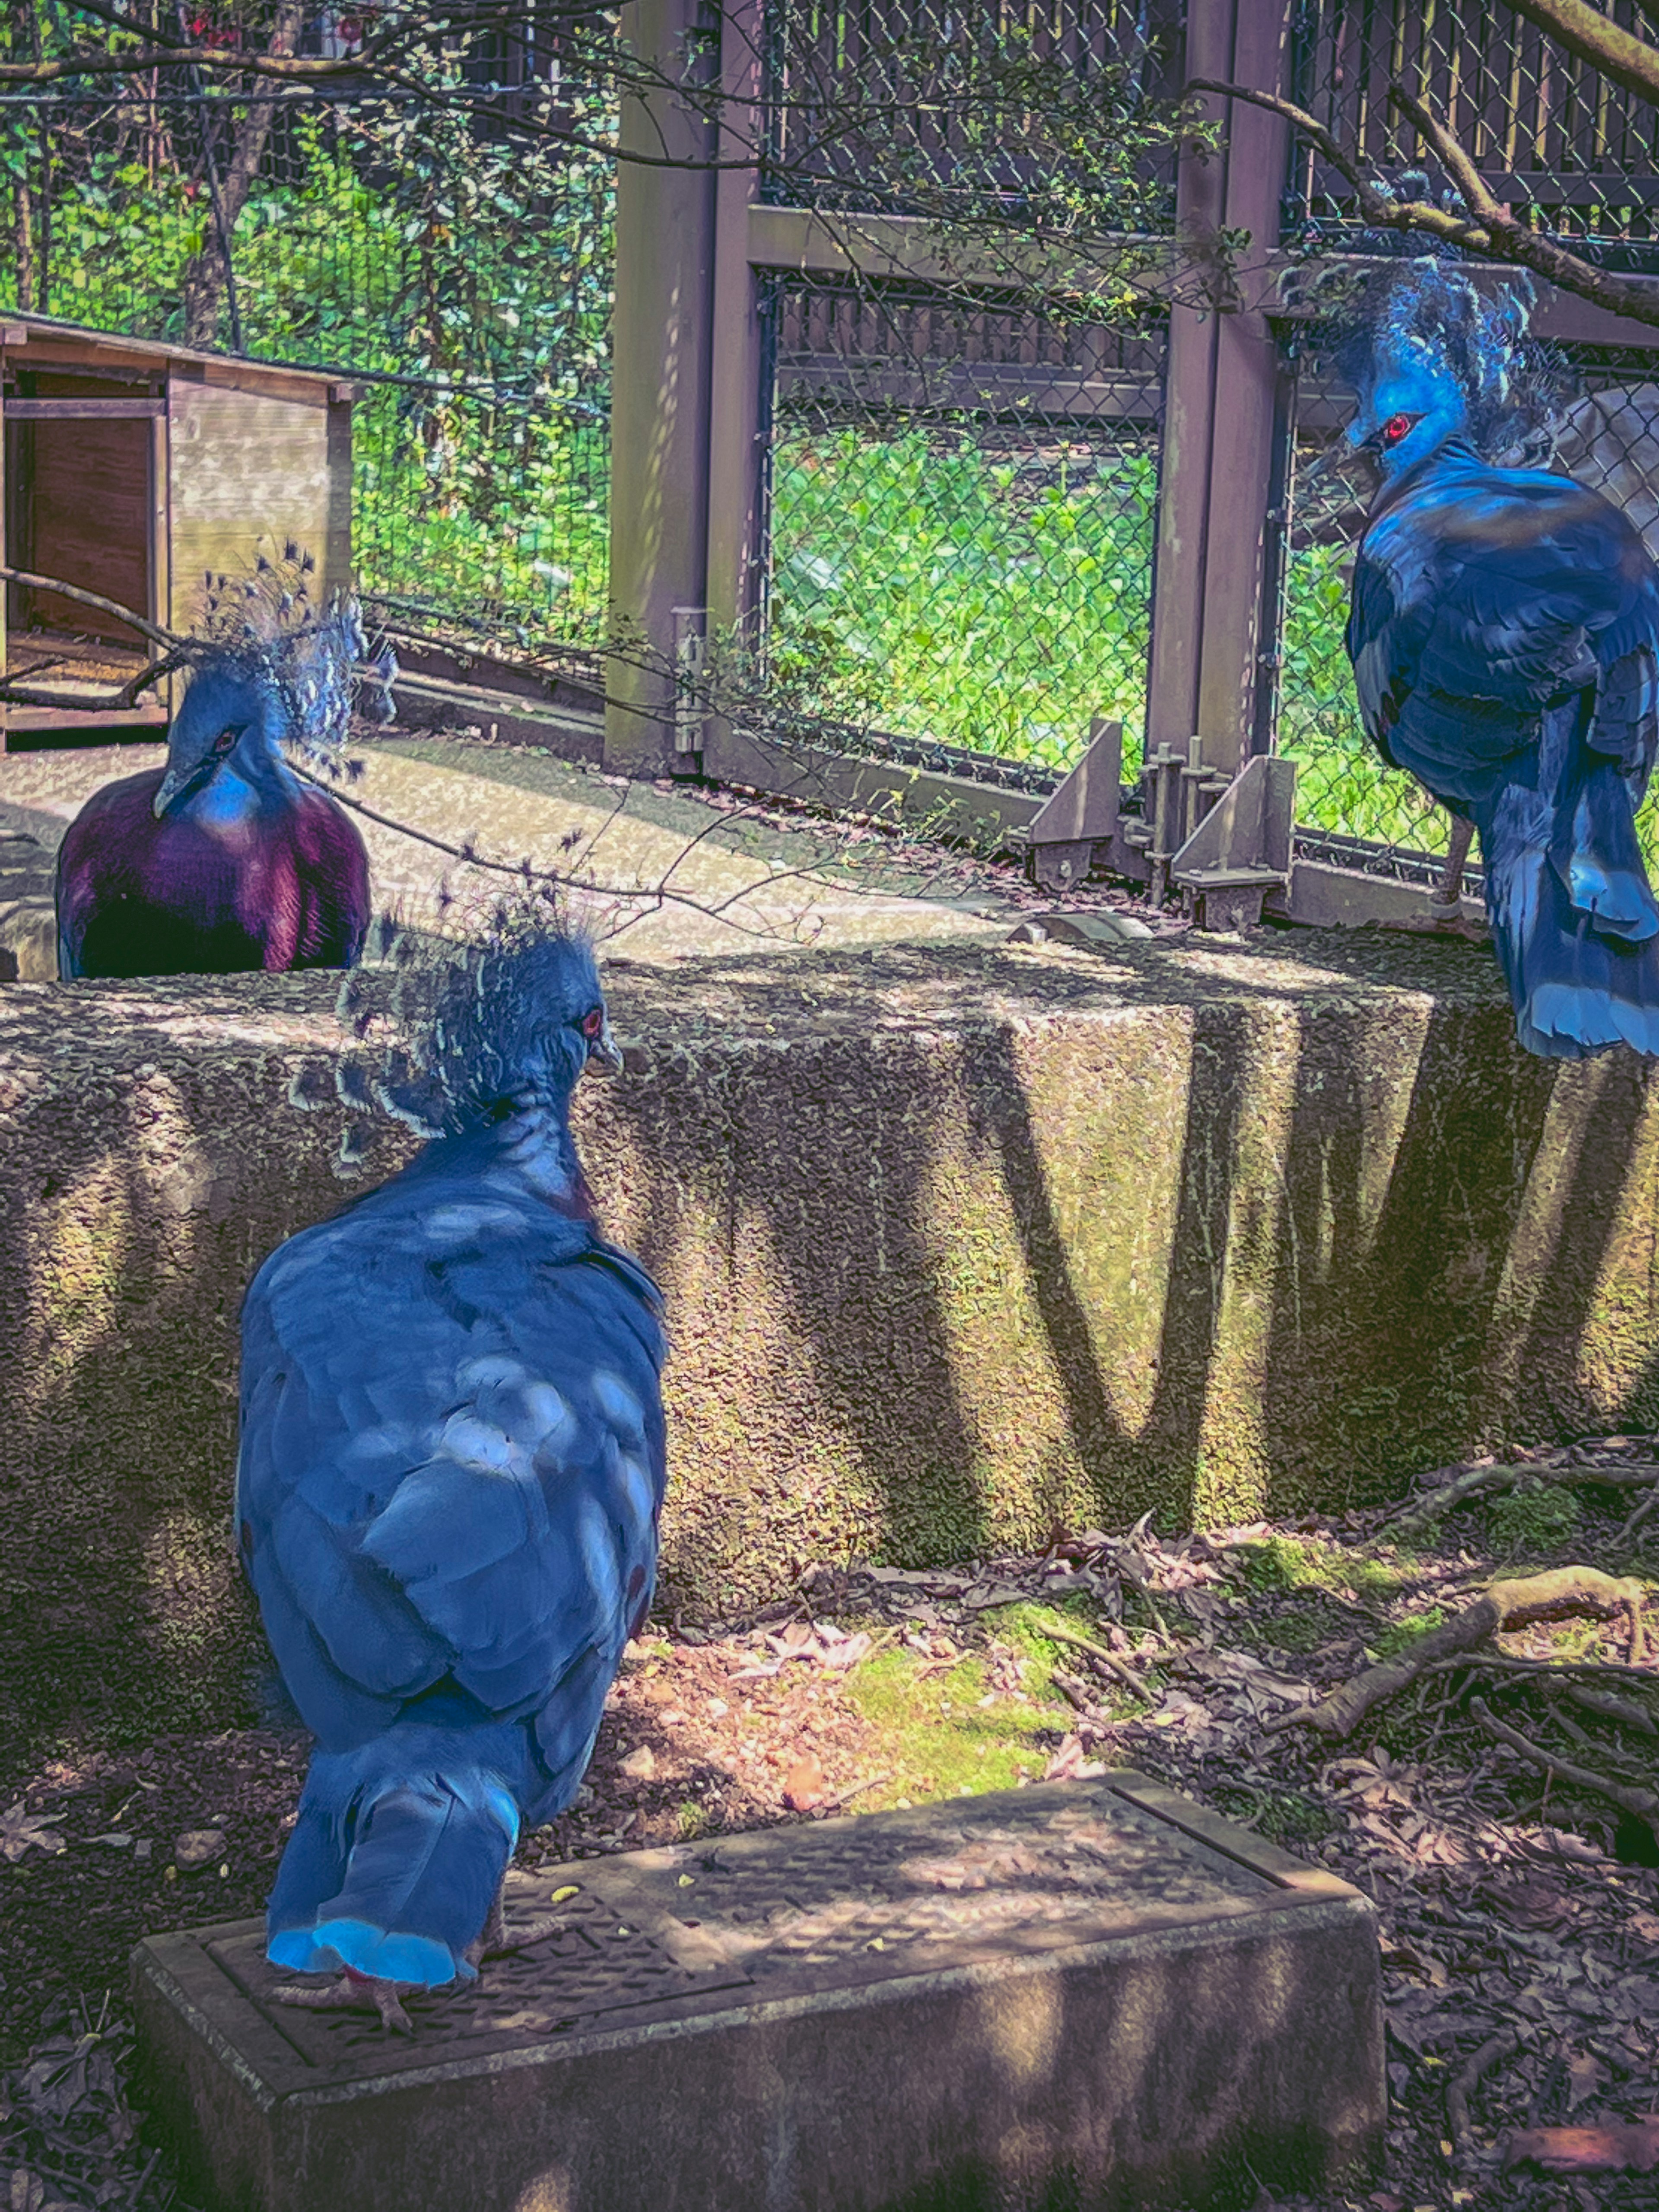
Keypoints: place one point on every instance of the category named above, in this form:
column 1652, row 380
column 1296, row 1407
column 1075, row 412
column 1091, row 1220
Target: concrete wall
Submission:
column 957, row 1243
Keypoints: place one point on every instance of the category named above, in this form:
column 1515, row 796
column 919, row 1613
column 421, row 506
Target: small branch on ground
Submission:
column 1469, row 1483
column 1109, row 1660
column 1641, row 1804
column 1507, row 1606
column 1463, row 2085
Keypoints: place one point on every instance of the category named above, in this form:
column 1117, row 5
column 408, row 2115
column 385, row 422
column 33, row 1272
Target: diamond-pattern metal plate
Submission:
column 835, row 1904
column 1085, row 1991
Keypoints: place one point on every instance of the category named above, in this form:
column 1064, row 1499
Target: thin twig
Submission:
column 1496, row 235
column 1648, row 1505
column 1501, row 1662
column 645, row 894
column 1641, row 1804
column 1109, row 1660
column 60, row 589
column 858, row 1789
column 1464, row 2083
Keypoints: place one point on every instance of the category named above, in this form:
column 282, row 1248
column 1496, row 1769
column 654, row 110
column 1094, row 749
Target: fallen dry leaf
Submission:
column 1585, row 2075
column 1069, row 1764
column 804, row 1786
column 1528, row 1903
column 20, row 1832
column 640, row 1764
column 1605, row 2147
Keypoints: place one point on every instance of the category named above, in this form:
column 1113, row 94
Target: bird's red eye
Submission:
column 592, row 1022
column 1396, row 428
column 225, row 740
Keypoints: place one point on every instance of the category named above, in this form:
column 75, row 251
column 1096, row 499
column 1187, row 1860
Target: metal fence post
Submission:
column 1221, row 395
column 737, row 410
column 661, row 349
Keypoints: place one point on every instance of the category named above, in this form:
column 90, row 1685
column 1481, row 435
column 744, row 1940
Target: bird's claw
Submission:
column 352, row 1993
column 496, row 1942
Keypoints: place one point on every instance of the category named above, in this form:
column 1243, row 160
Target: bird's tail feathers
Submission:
column 1574, row 921
column 393, row 1877
column 1595, row 854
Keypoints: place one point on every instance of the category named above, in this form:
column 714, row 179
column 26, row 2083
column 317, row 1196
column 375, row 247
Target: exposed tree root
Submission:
column 1464, row 1483
column 1561, row 1593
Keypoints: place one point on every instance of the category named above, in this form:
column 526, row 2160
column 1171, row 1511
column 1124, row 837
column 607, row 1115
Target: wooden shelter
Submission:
column 133, row 469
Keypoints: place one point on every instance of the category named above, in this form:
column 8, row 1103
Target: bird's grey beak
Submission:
column 171, row 784
column 606, row 1051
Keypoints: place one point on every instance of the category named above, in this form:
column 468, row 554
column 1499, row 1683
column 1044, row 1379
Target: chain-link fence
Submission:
column 883, row 105
column 962, row 491
column 963, row 505
column 1552, row 138
column 460, row 275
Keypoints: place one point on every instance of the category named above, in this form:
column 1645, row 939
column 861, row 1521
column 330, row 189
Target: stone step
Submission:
column 1089, row 1993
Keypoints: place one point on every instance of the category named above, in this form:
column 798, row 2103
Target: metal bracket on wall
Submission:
column 1241, row 850
column 691, row 657
column 1224, row 843
column 1080, row 814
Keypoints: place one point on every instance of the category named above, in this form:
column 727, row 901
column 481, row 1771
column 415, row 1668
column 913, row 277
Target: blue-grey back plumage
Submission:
column 452, row 1465
column 1504, row 635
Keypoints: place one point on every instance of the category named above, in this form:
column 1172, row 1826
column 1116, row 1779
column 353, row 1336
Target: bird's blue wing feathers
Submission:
column 1481, row 595
column 474, row 1497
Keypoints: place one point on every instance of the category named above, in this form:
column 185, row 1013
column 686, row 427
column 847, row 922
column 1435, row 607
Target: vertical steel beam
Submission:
column 661, row 340
column 1247, row 406
column 735, row 414
column 1221, row 394
column 1188, row 419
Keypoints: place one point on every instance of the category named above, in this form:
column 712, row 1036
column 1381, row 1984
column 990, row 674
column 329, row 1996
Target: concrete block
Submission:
column 1084, row 1994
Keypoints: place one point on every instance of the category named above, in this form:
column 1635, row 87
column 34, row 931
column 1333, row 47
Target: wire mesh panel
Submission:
column 963, row 514
column 880, row 103
column 462, row 274
column 1553, row 139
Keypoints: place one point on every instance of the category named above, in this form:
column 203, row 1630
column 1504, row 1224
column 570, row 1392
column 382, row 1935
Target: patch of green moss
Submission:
column 1401, row 1635
column 1534, row 1516
column 948, row 1735
column 1304, row 1563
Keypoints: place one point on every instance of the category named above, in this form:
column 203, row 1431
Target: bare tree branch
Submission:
column 1489, row 231
column 1592, row 37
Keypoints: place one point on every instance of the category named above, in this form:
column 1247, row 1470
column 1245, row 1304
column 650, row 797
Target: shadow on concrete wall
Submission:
column 1379, row 1237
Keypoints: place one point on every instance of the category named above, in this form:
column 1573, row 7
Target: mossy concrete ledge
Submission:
column 958, row 1243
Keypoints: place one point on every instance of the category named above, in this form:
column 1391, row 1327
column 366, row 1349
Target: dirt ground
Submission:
column 1518, row 1899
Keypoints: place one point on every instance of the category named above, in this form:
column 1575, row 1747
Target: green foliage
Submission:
column 393, row 240
column 1534, row 1516
column 1301, row 1562
column 929, row 587
column 943, row 1735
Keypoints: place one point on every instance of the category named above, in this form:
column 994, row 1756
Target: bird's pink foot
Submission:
column 498, row 1943
column 353, row 1992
